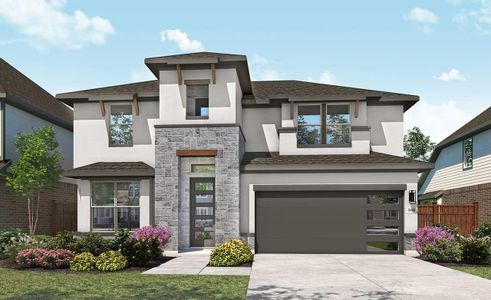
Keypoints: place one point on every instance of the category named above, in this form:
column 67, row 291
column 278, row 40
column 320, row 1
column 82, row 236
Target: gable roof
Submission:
column 22, row 92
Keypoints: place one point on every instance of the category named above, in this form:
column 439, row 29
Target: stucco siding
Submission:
column 17, row 120
column 386, row 128
column 448, row 172
column 254, row 131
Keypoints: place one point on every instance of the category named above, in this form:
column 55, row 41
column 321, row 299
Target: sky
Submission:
column 439, row 50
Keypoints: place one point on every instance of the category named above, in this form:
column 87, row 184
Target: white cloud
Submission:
column 453, row 74
column 436, row 120
column 478, row 17
column 142, row 75
column 422, row 15
column 182, row 40
column 325, row 77
column 46, row 24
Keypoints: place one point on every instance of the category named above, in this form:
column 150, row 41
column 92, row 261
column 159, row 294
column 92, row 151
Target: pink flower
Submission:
column 162, row 234
column 429, row 236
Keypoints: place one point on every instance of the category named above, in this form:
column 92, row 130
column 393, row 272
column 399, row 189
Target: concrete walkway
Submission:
column 322, row 276
column 195, row 264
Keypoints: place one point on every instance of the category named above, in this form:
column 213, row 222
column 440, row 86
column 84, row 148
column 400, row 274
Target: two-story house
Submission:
column 25, row 105
column 289, row 166
column 462, row 173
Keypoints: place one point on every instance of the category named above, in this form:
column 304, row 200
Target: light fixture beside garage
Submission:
column 412, row 197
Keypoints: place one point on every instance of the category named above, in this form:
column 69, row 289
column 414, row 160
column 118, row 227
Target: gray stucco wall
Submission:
column 227, row 142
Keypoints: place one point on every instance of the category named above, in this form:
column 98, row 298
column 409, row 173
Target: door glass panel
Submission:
column 103, row 218
column 204, row 230
column 204, row 198
column 382, row 199
column 204, row 211
column 203, row 186
column 382, row 230
column 382, row 215
column 382, row 246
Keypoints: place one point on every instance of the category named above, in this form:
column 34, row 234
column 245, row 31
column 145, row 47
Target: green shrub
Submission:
column 63, row 240
column 483, row 230
column 111, row 261
column 138, row 252
column 443, row 251
column 7, row 237
column 230, row 254
column 42, row 238
column 21, row 243
column 452, row 229
column 92, row 243
column 476, row 250
column 83, row 262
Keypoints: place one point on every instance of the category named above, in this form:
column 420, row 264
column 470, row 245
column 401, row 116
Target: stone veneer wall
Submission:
column 227, row 141
column 480, row 193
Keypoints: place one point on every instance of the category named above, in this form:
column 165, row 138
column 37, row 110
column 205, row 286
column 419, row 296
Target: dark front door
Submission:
column 202, row 210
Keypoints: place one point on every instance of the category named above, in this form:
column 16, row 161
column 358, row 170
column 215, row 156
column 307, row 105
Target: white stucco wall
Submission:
column 387, row 128
column 223, row 100
column 260, row 127
column 91, row 129
column 17, row 120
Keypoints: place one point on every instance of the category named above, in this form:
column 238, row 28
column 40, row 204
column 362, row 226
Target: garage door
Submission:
column 329, row 222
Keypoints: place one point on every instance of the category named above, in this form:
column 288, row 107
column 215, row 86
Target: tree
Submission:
column 417, row 145
column 37, row 168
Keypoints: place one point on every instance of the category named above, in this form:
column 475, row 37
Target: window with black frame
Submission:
column 197, row 102
column 338, row 125
column 121, row 123
column 309, row 124
column 115, row 205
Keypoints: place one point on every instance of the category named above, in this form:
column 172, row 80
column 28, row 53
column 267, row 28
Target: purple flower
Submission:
column 162, row 234
column 429, row 236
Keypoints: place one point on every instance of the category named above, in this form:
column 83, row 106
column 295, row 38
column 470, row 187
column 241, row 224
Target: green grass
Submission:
column 25, row 284
column 481, row 271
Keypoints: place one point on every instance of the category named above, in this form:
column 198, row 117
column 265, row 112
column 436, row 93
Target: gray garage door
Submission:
column 329, row 222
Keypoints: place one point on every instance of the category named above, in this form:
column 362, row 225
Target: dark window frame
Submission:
column 465, row 165
column 111, row 125
column 194, row 115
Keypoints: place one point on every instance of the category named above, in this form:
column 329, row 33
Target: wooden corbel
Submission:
column 136, row 107
column 179, row 74
column 103, row 109
column 213, row 74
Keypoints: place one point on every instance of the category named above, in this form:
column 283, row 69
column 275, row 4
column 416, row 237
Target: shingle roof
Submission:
column 20, row 87
column 128, row 88
column 116, row 169
column 374, row 160
column 199, row 55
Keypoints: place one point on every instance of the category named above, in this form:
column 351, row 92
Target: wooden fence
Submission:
column 464, row 217
column 64, row 216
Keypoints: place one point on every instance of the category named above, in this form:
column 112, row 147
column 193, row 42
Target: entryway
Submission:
column 202, row 212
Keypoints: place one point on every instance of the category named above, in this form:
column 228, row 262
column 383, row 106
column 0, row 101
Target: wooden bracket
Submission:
column 179, row 74
column 213, row 74
column 103, row 109
column 357, row 108
column 136, row 106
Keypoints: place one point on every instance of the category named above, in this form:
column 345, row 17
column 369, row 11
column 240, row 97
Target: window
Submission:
column 197, row 104
column 468, row 154
column 121, row 125
column 115, row 205
column 382, row 215
column 324, row 124
column 204, row 169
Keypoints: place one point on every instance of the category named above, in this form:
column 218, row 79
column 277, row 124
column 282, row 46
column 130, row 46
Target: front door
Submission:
column 202, row 209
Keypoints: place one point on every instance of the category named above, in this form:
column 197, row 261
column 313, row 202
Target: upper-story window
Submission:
column 468, row 156
column 324, row 124
column 121, row 125
column 197, row 104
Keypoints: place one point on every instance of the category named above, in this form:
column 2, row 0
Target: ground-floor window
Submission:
column 115, row 205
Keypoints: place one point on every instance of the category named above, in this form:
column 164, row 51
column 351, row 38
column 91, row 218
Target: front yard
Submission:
column 27, row 284
column 481, row 271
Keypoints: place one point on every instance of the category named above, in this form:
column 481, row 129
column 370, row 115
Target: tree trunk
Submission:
column 36, row 216
column 29, row 214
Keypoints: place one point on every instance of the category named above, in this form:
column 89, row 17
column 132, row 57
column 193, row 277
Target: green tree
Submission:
column 37, row 168
column 417, row 145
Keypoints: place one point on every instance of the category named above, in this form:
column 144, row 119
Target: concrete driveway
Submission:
column 344, row 276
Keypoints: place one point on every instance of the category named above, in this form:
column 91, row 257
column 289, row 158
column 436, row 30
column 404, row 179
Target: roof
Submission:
column 23, row 92
column 343, row 162
column 430, row 195
column 112, row 169
column 196, row 56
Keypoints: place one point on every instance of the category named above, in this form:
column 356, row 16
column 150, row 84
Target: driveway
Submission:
column 345, row 276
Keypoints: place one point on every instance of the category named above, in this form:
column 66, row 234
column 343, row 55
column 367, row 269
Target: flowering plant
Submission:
column 56, row 259
column 29, row 258
column 429, row 236
column 161, row 234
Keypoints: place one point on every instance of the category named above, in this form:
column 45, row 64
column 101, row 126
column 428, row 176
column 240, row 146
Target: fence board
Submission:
column 463, row 217
column 64, row 216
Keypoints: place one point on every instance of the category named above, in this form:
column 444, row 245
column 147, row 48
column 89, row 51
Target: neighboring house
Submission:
column 24, row 105
column 288, row 166
column 462, row 173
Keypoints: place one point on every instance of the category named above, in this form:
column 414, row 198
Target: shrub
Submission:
column 83, row 262
column 29, row 258
column 138, row 252
column 111, row 261
column 428, row 236
column 92, row 243
column 56, row 259
column 229, row 254
column 7, row 237
column 483, row 230
column 443, row 250
column 162, row 234
column 453, row 230
column 476, row 250
column 42, row 238
column 63, row 240
column 20, row 243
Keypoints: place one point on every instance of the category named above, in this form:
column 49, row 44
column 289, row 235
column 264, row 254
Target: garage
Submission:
column 329, row 221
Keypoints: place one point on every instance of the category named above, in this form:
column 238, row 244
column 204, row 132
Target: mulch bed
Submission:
column 7, row 264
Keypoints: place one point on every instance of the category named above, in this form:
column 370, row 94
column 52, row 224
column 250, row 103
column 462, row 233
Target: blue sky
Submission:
column 439, row 50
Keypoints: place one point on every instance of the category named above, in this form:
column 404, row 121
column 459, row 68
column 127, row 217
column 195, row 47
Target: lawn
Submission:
column 25, row 284
column 484, row 271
